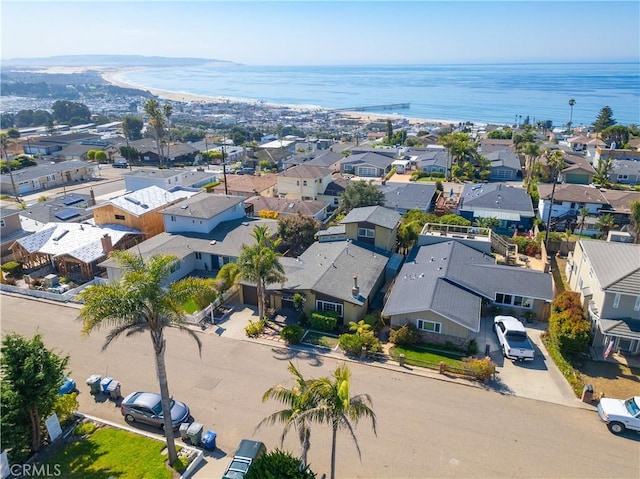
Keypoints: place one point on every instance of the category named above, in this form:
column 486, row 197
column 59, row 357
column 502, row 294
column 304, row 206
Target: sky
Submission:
column 327, row 32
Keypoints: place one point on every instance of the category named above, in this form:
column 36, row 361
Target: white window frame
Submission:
column 336, row 307
column 366, row 233
column 637, row 305
column 525, row 301
column 616, row 300
column 435, row 327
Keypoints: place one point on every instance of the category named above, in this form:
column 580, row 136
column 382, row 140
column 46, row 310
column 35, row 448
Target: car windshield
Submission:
column 157, row 409
column 632, row 407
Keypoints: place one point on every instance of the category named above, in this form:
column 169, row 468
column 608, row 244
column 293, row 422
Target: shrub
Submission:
column 292, row 333
column 374, row 320
column 278, row 464
column 180, row 465
column 352, row 344
column 210, row 186
column 483, row 369
column 65, row 406
column 10, row 281
column 84, row 429
column 274, row 215
column 255, row 328
column 405, row 335
column 566, row 300
column 392, row 172
column 472, row 347
column 569, row 331
column 527, row 246
column 12, row 268
column 568, row 371
column 326, row 321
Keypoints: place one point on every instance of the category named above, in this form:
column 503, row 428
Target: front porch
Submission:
column 616, row 357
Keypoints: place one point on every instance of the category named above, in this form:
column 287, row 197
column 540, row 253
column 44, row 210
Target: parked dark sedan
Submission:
column 147, row 407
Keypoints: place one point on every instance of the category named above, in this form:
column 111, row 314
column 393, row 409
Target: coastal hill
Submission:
column 111, row 61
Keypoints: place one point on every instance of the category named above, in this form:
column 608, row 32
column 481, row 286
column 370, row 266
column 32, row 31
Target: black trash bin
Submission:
column 94, row 383
column 587, row 393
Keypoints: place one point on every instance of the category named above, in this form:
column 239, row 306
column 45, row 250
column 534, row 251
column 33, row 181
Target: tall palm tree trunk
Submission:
column 304, row 433
column 36, row 433
column 159, row 347
column 334, row 436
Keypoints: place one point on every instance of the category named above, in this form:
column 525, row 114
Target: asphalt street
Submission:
column 426, row 427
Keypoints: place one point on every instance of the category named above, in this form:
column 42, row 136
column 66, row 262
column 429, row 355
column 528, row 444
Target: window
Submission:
column 366, row 232
column 637, row 305
column 329, row 306
column 304, row 182
column 297, row 182
column 173, row 218
column 198, row 255
column 623, row 177
column 2, row 224
column 431, row 326
column 120, row 217
column 514, row 300
column 616, row 300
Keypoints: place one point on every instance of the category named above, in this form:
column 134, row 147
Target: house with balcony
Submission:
column 446, row 289
column 376, row 226
column 303, row 182
column 568, row 200
column 282, row 207
column 607, row 276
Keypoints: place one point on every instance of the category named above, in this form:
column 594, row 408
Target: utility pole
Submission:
column 6, row 157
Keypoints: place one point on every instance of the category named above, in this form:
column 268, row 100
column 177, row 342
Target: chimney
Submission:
column 107, row 245
column 92, row 200
column 355, row 291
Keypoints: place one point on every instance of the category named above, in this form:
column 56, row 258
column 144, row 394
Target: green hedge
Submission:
column 292, row 333
column 324, row 320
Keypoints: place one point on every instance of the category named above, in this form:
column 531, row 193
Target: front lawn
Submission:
column 429, row 358
column 320, row 339
column 112, row 453
column 190, row 306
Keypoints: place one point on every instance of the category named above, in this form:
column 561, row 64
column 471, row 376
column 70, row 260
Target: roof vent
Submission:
column 213, row 242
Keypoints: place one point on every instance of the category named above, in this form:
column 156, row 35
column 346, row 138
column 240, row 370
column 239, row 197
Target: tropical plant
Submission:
column 556, row 163
column 143, row 300
column 260, row 264
column 405, row 335
column 616, row 134
column 297, row 401
column 157, row 123
column 605, row 224
column 603, row 171
column 31, row 378
column 279, row 464
column 358, row 194
column 572, row 102
column 531, row 152
column 336, row 407
column 490, row 223
column 634, row 207
column 582, row 220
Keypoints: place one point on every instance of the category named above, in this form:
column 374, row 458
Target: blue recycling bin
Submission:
column 209, row 440
column 104, row 384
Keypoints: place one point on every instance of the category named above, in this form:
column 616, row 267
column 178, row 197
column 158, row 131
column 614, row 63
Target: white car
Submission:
column 620, row 414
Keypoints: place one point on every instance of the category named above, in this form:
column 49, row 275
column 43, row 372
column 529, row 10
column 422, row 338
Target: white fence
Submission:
column 207, row 313
column 65, row 297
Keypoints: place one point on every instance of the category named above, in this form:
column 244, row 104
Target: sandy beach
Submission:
column 111, row 75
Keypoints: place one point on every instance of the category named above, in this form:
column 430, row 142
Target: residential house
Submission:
column 248, row 185
column 333, row 191
column 327, row 159
column 69, row 208
column 303, row 182
column 48, row 145
column 603, row 153
column 442, row 289
column 368, row 165
column 256, row 205
column 431, row 160
column 578, row 142
column 607, row 276
column 45, row 176
column 197, row 253
column 202, row 213
column 505, row 165
column 578, row 170
column 568, row 200
column 168, row 178
column 509, row 204
column 402, row 197
column 340, row 276
column 140, row 209
column 173, row 153
column 625, row 172
column 489, row 145
column 10, row 230
column 73, row 249
column 375, row 226
column 620, row 204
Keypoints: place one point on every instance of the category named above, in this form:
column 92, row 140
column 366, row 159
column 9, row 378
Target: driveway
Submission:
column 539, row 379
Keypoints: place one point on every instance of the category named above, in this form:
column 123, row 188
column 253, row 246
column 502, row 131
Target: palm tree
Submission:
column 4, row 144
column 298, row 401
column 531, row 152
column 582, row 220
column 143, row 301
column 635, row 219
column 157, row 123
column 490, row 223
column 335, row 407
column 605, row 224
column 571, row 103
column 260, row 264
column 556, row 163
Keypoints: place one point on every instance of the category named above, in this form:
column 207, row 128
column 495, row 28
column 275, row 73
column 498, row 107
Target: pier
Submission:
column 391, row 106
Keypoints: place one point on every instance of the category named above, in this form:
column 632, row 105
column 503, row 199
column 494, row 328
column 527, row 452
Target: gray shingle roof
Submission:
column 505, row 158
column 451, row 279
column 369, row 158
column 408, row 196
column 377, row 215
column 496, row 196
column 329, row 268
column 44, row 169
column 203, row 205
column 616, row 265
column 307, row 171
column 573, row 193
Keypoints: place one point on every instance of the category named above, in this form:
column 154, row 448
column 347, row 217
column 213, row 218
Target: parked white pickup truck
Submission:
column 513, row 339
column 620, row 414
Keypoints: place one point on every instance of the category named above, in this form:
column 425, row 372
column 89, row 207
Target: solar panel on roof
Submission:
column 72, row 200
column 66, row 214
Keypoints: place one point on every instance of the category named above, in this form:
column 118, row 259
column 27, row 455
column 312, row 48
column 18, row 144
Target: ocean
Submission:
column 481, row 93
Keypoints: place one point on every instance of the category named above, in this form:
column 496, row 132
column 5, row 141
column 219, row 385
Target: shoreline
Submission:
column 110, row 75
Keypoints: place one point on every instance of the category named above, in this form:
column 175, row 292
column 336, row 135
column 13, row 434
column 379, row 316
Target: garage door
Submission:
column 250, row 295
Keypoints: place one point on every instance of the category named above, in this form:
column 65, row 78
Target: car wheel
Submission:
column 129, row 418
column 616, row 427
